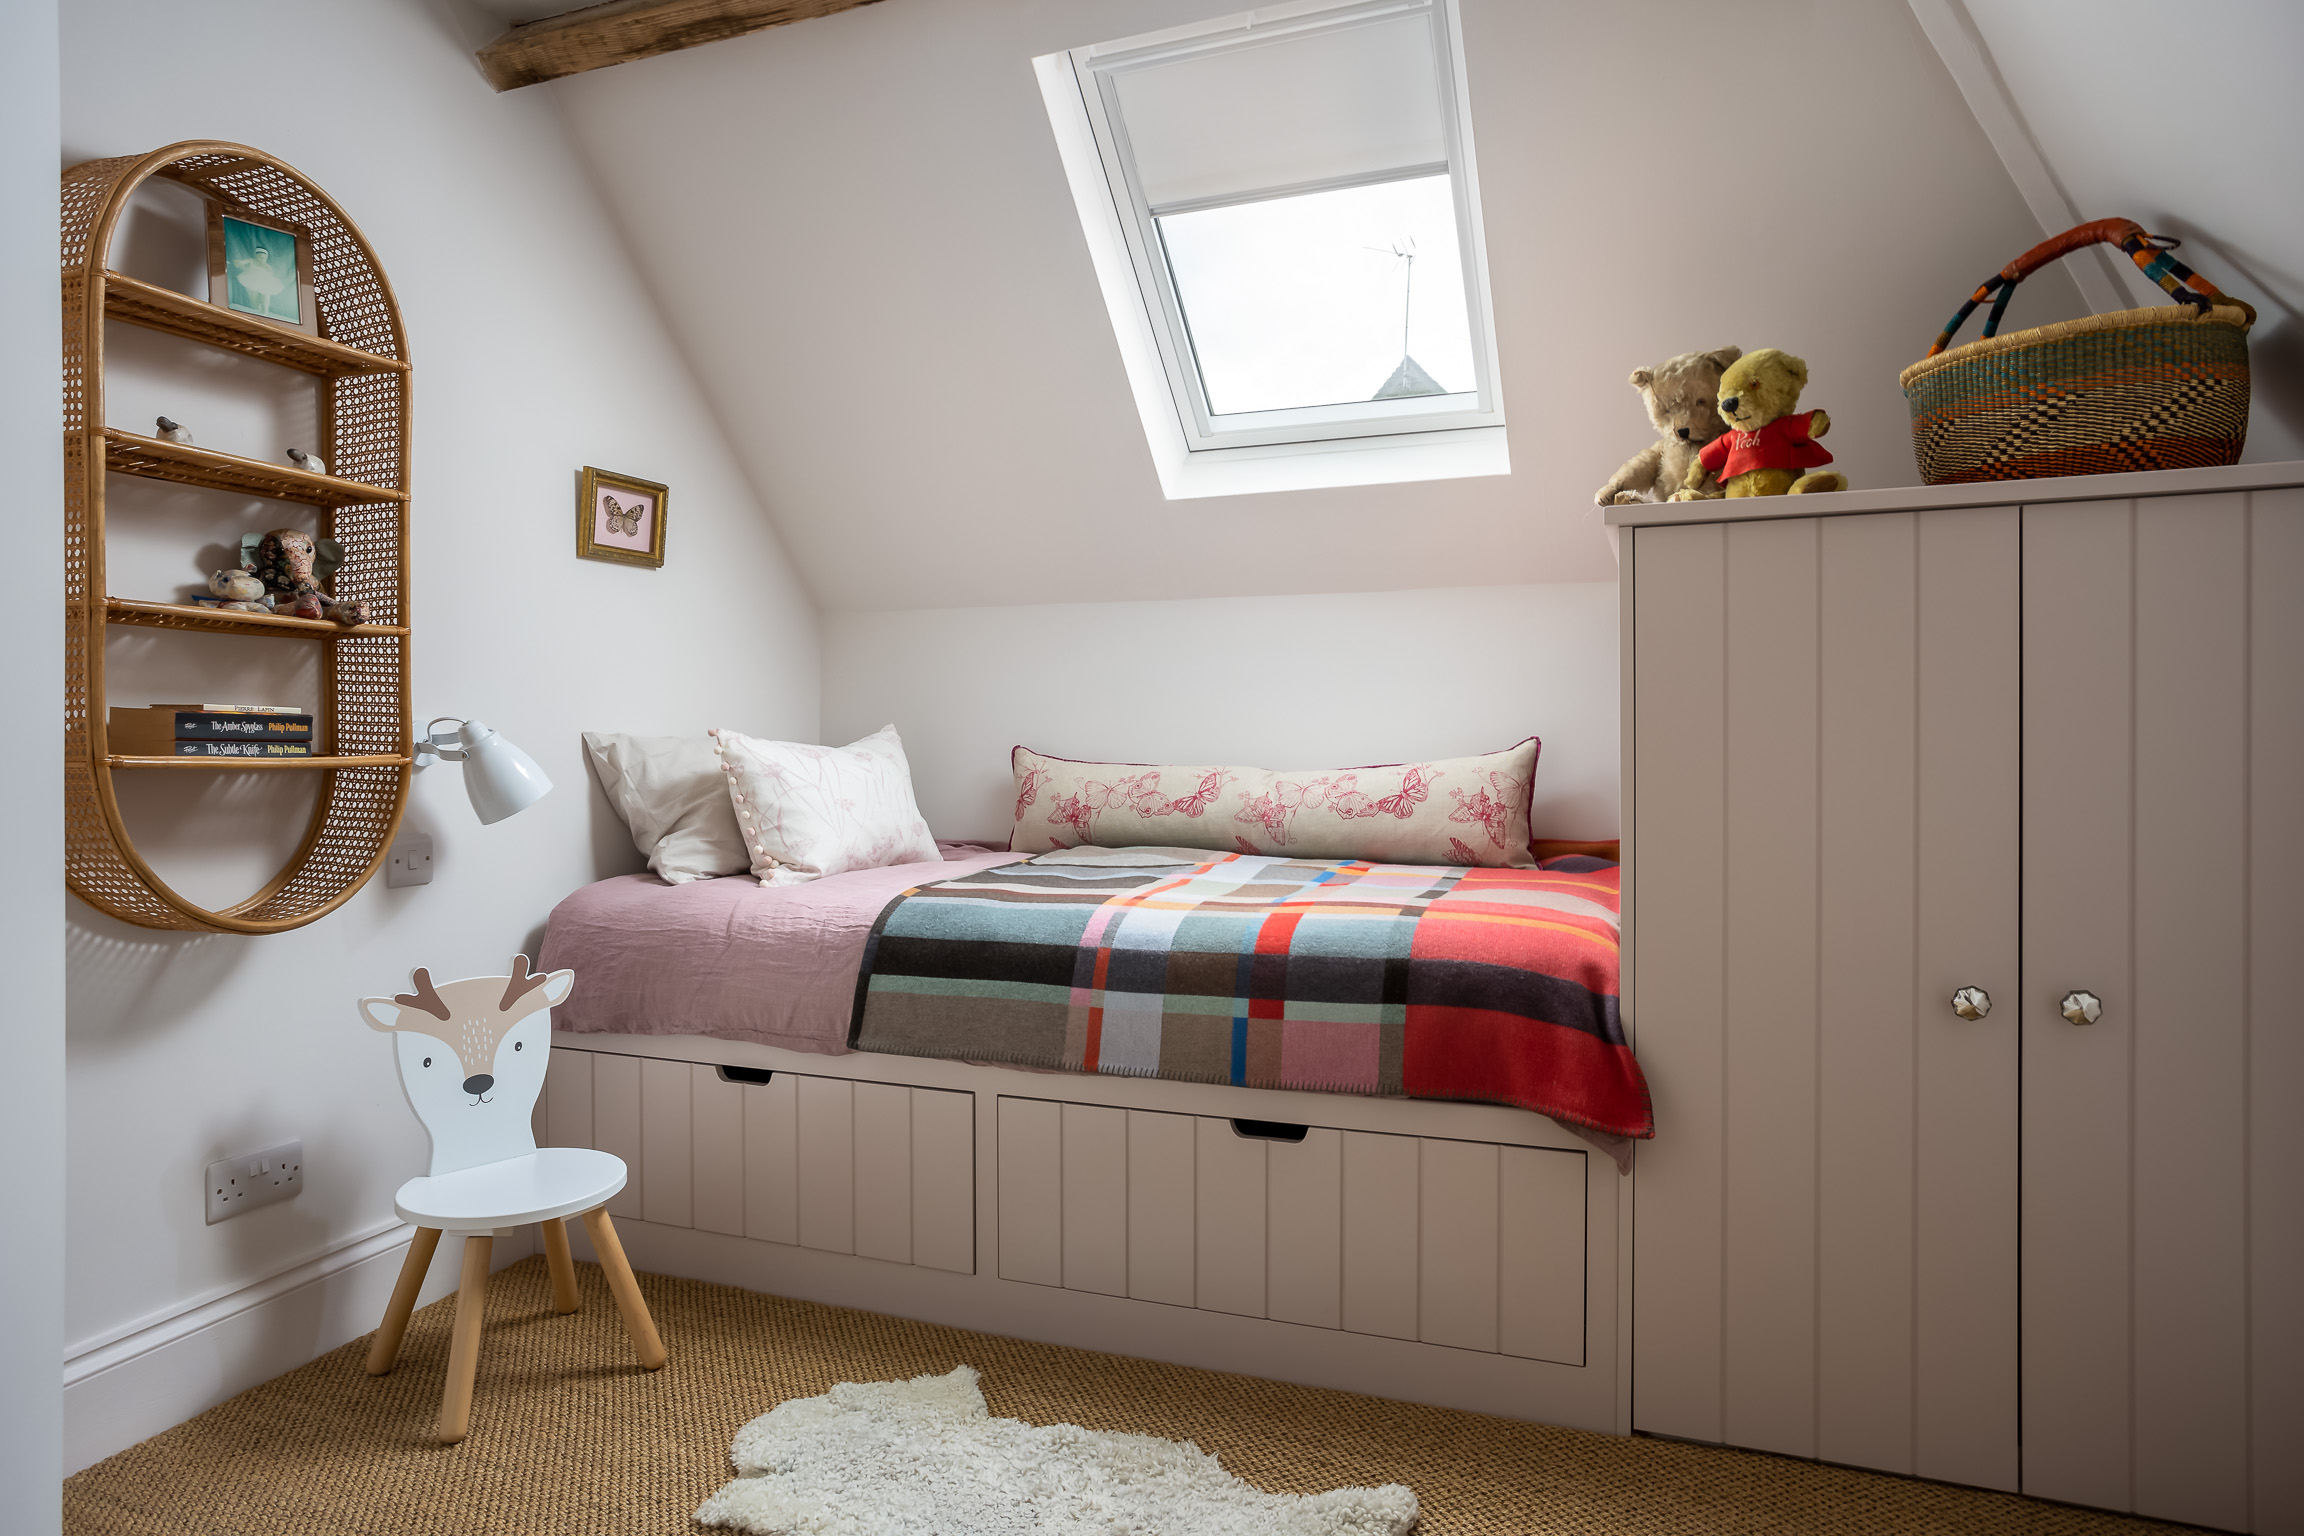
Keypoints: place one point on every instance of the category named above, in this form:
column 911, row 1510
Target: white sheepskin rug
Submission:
column 924, row 1458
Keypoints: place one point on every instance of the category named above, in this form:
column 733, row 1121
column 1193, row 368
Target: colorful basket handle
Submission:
column 2149, row 252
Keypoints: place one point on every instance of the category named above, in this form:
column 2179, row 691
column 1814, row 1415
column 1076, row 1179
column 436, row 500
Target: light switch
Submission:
column 409, row 861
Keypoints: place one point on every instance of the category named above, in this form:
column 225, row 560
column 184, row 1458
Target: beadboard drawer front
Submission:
column 1463, row 1243
column 881, row 1170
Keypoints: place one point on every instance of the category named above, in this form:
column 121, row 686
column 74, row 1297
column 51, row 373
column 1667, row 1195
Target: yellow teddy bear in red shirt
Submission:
column 1769, row 448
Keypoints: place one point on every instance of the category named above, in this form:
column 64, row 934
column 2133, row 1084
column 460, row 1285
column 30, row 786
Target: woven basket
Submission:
column 2138, row 389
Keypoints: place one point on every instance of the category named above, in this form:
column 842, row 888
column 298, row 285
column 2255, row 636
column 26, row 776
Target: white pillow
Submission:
column 808, row 811
column 673, row 797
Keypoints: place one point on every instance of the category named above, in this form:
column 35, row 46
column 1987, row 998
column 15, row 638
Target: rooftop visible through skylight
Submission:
column 1326, row 298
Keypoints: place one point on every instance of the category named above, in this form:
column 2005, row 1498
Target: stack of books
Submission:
column 212, row 730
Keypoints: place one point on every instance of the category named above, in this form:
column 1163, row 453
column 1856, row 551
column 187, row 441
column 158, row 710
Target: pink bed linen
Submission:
column 729, row 958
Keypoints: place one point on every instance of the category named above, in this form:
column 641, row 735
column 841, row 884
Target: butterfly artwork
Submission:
column 1492, row 813
column 620, row 518
column 1415, row 788
column 1203, row 797
column 1029, row 790
column 1348, row 801
column 1148, row 802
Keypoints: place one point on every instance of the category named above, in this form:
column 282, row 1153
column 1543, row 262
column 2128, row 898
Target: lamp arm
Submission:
column 436, row 746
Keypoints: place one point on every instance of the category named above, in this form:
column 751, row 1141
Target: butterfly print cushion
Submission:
column 1458, row 810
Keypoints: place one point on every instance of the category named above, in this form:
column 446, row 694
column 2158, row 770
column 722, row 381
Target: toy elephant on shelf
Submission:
column 292, row 566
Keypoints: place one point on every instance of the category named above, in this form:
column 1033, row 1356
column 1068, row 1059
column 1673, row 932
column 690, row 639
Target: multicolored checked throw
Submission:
column 1497, row 985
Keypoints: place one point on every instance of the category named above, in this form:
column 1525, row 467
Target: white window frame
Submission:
column 1197, row 453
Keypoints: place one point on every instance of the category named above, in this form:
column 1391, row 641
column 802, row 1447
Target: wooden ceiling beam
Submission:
column 624, row 30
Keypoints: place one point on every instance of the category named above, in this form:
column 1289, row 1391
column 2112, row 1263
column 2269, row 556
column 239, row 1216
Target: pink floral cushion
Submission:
column 1458, row 810
column 808, row 811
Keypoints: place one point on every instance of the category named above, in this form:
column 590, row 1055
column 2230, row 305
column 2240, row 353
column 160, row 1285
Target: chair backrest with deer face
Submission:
column 472, row 1055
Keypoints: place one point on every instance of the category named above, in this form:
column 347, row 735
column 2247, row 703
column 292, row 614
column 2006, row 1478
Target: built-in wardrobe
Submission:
column 1966, row 963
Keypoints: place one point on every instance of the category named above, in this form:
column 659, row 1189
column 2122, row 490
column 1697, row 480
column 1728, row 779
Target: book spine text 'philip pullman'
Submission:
column 198, row 725
column 243, row 749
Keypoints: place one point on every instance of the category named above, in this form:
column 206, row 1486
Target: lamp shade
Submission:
column 501, row 779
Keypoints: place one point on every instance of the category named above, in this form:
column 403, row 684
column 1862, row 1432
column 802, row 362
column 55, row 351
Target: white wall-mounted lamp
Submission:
column 501, row 779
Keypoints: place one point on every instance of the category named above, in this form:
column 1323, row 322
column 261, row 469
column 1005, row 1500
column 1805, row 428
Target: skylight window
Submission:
column 1284, row 216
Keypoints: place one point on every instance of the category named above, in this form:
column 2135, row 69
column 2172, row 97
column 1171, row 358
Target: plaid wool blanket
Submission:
column 1495, row 985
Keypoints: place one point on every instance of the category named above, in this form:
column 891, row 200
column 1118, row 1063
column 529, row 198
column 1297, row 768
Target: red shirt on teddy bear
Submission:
column 1782, row 444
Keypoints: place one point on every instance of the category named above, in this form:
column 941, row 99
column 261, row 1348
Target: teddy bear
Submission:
column 284, row 563
column 1767, row 445
column 239, row 590
column 1681, row 397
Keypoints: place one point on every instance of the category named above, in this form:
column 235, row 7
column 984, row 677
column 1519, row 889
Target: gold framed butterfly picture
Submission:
column 619, row 518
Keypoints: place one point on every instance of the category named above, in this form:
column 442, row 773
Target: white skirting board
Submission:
column 1457, row 1254
column 126, row 1387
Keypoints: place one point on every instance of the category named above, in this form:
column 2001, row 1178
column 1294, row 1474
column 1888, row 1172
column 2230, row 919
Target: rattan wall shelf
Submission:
column 361, row 367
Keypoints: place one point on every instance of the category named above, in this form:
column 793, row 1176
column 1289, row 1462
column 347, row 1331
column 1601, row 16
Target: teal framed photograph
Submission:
column 261, row 267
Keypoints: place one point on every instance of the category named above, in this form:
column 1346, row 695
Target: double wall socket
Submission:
column 239, row 1184
column 409, row 861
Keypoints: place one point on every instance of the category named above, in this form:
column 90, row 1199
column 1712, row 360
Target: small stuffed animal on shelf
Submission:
column 1767, row 446
column 310, row 463
column 1682, row 397
column 284, row 563
column 240, row 590
column 173, row 431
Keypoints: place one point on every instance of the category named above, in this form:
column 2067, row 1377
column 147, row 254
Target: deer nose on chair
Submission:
column 479, row 1083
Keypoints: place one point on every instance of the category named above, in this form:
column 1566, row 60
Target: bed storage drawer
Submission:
column 880, row 1170
column 1470, row 1244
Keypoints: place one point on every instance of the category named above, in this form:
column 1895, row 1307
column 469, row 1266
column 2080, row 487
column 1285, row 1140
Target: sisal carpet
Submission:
column 570, row 1438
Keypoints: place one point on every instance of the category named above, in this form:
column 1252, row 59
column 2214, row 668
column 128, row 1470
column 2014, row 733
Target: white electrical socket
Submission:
column 268, row 1177
column 409, row 861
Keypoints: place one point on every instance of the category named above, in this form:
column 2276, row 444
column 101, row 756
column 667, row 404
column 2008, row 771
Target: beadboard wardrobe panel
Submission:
column 2143, row 660
column 1465, row 1255
column 1825, row 1181
column 2113, row 686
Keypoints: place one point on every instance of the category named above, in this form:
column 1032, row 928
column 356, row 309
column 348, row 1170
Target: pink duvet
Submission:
column 729, row 958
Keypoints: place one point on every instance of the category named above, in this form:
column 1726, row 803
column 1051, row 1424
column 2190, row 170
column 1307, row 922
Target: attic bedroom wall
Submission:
column 859, row 231
column 536, row 352
column 32, row 934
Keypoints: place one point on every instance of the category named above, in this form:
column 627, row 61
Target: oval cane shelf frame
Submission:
column 361, row 363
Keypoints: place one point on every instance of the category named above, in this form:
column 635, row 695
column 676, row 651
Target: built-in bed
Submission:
column 1172, row 1180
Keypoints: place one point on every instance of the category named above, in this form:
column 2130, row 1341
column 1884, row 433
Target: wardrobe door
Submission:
column 1965, row 1376
column 1824, row 830
column 2137, row 1011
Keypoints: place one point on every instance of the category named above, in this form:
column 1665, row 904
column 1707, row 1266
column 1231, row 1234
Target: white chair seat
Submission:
column 544, row 1185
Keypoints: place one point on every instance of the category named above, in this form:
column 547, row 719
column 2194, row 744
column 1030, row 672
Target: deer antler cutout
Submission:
column 519, row 982
column 425, row 997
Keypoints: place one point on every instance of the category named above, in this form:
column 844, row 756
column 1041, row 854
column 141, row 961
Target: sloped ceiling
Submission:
column 859, row 231
column 2191, row 122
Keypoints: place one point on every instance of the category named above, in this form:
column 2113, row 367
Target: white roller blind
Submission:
column 1356, row 100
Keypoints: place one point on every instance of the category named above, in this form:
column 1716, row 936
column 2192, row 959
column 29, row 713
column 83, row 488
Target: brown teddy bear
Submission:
column 1767, row 446
column 1680, row 396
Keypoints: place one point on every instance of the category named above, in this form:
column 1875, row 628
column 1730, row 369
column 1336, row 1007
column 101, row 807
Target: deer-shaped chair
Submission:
column 472, row 1056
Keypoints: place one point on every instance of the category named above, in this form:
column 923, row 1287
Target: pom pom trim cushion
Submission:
column 1459, row 810
column 807, row 811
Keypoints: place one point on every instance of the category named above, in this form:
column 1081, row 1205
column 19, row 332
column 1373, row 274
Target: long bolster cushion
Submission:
column 1458, row 810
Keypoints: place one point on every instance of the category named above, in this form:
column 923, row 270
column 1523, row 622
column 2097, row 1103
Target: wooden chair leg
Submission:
column 624, row 1288
column 464, row 1345
column 385, row 1352
column 563, row 1268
